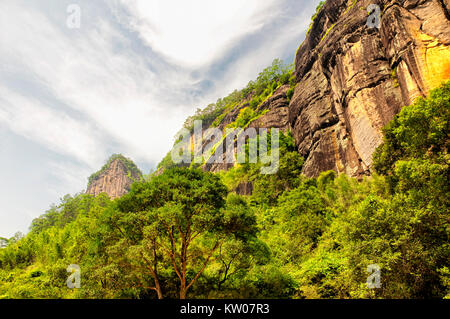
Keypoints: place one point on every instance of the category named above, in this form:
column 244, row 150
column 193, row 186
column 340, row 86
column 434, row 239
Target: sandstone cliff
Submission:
column 352, row 79
column 115, row 178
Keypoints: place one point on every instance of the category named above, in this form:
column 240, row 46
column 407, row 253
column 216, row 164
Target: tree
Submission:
column 419, row 131
column 409, row 243
column 239, row 252
column 267, row 188
column 176, row 219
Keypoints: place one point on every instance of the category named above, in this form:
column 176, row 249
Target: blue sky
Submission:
column 124, row 82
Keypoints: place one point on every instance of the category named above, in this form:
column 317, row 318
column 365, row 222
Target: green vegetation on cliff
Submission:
column 250, row 98
column 254, row 93
column 313, row 18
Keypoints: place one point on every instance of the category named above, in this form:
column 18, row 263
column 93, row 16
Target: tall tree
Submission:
column 176, row 219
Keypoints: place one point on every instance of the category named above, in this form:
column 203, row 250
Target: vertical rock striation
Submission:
column 352, row 79
column 114, row 179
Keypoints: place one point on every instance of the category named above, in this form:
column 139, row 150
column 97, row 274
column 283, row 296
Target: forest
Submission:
column 186, row 234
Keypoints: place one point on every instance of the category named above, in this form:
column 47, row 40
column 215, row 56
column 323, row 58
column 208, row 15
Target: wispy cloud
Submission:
column 92, row 73
column 195, row 33
column 52, row 129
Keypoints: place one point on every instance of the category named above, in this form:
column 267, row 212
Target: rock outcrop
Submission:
column 352, row 79
column 277, row 107
column 115, row 178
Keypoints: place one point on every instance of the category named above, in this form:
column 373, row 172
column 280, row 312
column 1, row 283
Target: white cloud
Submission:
column 53, row 129
column 33, row 178
column 113, row 88
column 195, row 33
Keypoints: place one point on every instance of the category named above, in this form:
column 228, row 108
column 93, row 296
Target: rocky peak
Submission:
column 115, row 178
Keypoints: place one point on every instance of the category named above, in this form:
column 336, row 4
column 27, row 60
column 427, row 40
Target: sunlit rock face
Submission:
column 352, row 79
column 115, row 181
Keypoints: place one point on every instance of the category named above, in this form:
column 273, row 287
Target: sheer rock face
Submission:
column 277, row 107
column 352, row 79
column 115, row 181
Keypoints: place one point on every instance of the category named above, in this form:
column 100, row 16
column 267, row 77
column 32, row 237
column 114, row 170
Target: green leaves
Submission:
column 421, row 130
column 177, row 221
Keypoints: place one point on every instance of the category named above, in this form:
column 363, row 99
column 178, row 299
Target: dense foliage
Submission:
column 184, row 234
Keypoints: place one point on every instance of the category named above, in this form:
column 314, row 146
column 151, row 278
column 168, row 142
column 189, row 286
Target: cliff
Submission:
column 115, row 178
column 352, row 79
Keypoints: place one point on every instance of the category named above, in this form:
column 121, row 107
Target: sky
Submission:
column 122, row 81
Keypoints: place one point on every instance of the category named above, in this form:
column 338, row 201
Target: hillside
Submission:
column 357, row 207
column 182, row 234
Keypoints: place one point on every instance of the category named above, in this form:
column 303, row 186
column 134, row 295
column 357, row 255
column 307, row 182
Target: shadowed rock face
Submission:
column 352, row 80
column 277, row 115
column 115, row 181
